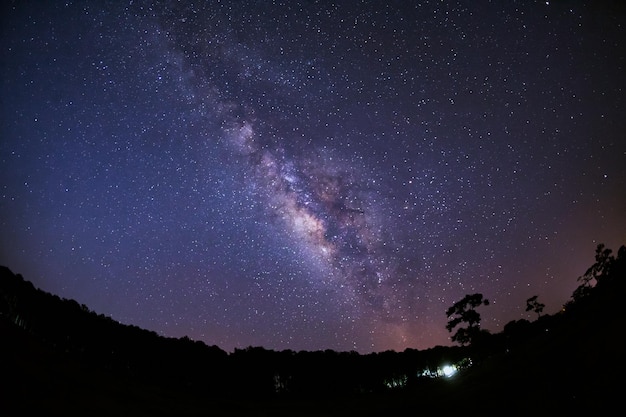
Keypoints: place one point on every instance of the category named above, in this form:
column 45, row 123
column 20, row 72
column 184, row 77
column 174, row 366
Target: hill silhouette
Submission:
column 60, row 358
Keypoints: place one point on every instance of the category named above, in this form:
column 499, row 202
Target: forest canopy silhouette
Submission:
column 59, row 357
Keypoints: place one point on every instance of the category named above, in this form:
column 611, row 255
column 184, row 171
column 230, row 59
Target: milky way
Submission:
column 310, row 175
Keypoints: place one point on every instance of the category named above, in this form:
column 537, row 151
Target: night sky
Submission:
column 310, row 175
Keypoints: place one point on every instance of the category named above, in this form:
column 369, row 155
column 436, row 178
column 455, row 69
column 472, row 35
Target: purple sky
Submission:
column 310, row 175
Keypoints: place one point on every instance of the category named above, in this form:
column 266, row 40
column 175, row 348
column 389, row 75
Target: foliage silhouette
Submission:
column 464, row 312
column 533, row 305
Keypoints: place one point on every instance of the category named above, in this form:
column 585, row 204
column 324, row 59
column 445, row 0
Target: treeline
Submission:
column 64, row 329
column 41, row 332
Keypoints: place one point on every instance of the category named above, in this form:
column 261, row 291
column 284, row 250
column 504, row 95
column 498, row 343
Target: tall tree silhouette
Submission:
column 464, row 311
column 533, row 305
column 596, row 272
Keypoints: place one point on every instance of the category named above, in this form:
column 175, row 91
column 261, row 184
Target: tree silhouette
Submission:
column 596, row 272
column 464, row 311
column 533, row 305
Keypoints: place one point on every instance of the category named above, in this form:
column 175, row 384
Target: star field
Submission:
column 310, row 175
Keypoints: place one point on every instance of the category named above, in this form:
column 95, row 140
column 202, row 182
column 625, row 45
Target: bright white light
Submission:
column 449, row 370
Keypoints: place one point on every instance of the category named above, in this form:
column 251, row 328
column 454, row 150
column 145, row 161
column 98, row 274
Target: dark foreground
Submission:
column 557, row 381
column 569, row 363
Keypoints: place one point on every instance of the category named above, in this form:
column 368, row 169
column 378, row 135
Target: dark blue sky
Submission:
column 310, row 175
